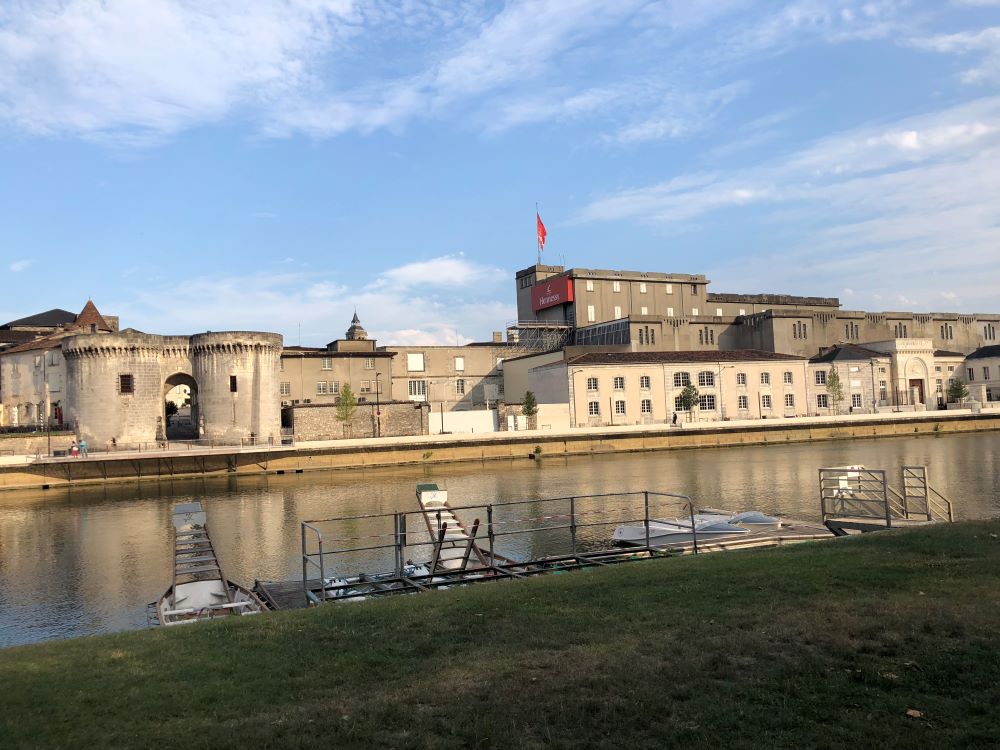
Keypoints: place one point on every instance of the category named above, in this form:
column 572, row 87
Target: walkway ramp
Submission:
column 454, row 544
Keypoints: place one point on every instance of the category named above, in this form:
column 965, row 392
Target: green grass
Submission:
column 820, row 645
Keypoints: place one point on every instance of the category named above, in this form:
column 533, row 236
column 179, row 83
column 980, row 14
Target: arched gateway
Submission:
column 117, row 383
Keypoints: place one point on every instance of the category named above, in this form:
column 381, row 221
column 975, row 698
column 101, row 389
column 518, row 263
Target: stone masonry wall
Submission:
column 319, row 421
column 505, row 410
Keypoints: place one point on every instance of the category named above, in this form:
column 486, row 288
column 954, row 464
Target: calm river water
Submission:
column 88, row 560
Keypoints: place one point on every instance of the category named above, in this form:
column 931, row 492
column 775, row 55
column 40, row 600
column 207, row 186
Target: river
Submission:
column 84, row 561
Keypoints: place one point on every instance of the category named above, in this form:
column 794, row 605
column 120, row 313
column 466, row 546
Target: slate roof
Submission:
column 944, row 353
column 985, row 351
column 641, row 358
column 47, row 319
column 846, row 352
column 89, row 316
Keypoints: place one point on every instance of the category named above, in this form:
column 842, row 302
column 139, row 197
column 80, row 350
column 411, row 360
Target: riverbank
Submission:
column 889, row 640
column 437, row 449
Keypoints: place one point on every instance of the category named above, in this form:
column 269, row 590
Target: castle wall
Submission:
column 116, row 384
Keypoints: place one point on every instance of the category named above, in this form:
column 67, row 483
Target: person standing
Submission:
column 674, row 420
column 83, row 448
column 74, row 450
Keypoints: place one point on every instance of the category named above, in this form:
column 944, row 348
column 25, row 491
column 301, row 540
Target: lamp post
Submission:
column 722, row 395
column 572, row 397
column 45, row 392
column 378, row 405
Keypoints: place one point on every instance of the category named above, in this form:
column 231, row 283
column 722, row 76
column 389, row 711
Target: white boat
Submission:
column 705, row 527
column 200, row 591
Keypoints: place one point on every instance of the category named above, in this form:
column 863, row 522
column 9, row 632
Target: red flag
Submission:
column 541, row 233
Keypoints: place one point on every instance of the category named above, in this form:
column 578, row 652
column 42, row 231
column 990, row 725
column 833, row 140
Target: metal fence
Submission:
column 507, row 539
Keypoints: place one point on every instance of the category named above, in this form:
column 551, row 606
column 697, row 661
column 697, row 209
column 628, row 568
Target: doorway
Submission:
column 180, row 407
column 917, row 391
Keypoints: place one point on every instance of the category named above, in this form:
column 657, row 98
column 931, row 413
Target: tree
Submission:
column 170, row 409
column 835, row 389
column 529, row 407
column 346, row 404
column 957, row 391
column 688, row 399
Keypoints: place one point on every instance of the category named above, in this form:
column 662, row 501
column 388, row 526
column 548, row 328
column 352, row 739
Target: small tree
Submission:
column 835, row 389
column 689, row 398
column 170, row 408
column 529, row 407
column 347, row 404
column 957, row 391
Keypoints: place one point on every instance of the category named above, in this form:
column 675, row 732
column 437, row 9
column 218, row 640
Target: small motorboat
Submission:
column 200, row 591
column 705, row 527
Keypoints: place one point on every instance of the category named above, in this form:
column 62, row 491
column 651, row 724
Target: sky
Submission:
column 276, row 164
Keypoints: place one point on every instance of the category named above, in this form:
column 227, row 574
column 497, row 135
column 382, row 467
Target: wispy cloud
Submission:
column 984, row 44
column 20, row 265
column 873, row 208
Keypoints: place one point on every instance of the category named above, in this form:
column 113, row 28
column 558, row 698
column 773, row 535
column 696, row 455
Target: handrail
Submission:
column 898, row 508
column 947, row 503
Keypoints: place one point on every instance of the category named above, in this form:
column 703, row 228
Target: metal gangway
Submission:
column 855, row 498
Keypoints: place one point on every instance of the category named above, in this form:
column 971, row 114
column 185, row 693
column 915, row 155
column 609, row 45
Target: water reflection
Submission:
column 87, row 560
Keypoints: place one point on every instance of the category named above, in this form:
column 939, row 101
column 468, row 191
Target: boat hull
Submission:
column 243, row 602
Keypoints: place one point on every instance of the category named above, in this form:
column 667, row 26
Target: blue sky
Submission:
column 271, row 165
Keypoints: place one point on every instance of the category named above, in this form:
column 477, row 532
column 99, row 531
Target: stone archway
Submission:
column 182, row 390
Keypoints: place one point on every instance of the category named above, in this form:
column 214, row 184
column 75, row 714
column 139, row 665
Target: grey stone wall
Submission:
column 505, row 410
column 319, row 421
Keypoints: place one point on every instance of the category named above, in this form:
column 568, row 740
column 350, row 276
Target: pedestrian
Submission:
column 73, row 450
column 674, row 420
column 83, row 447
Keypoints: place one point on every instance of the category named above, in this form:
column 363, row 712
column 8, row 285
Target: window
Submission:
column 790, row 400
column 822, row 401
column 937, row 368
column 500, row 388
column 651, row 336
column 765, row 378
column 986, row 373
column 590, row 285
column 415, row 362
column 678, row 406
column 851, row 331
column 741, row 378
column 694, row 310
column 883, row 390
column 787, row 378
column 38, row 361
column 765, row 401
column 742, row 311
column 670, row 312
column 798, row 330
column 285, row 389
column 590, row 314
column 646, row 406
column 459, row 364
column 321, row 389
column 327, row 363
column 644, row 382
column 619, row 407
column 972, row 374
column 642, row 287
column 594, row 408
column 232, row 384
column 856, row 400
column 694, row 290
column 619, row 383
column 742, row 402
column 281, row 364
column 706, row 402
column 718, row 312
column 706, row 378
column 682, row 379
column 820, row 377
column 990, row 334
column 126, row 384
column 644, row 310
column 417, row 389
column 460, row 387
column 616, row 286
column 881, row 371
column 618, row 312
column 591, row 384
column 369, row 363
column 334, row 387
column 366, row 386
column 670, row 288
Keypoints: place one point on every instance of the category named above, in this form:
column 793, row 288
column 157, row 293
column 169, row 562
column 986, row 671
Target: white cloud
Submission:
column 19, row 265
column 321, row 304
column 910, row 204
column 984, row 41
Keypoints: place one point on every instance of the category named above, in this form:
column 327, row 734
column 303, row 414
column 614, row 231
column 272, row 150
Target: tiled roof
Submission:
column 842, row 352
column 89, row 318
column 47, row 319
column 46, row 342
column 640, row 358
column 985, row 351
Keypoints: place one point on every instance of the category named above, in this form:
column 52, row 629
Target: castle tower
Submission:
column 356, row 332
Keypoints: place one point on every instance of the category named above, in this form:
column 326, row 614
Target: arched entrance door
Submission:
column 180, row 407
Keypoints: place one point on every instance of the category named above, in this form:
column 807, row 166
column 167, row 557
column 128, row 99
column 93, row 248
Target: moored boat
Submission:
column 200, row 590
column 704, row 527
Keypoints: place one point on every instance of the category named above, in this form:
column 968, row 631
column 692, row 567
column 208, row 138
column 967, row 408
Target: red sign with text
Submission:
column 551, row 292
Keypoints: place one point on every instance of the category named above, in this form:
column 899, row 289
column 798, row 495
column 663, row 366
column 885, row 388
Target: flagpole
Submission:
column 537, row 240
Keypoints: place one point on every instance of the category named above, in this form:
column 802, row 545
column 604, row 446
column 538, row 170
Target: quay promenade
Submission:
column 25, row 472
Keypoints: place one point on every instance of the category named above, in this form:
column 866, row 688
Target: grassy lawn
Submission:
column 821, row 645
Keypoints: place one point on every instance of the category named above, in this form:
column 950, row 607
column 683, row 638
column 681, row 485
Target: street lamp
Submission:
column 572, row 397
column 722, row 395
column 378, row 404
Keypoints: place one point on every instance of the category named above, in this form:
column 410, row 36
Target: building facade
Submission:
column 981, row 372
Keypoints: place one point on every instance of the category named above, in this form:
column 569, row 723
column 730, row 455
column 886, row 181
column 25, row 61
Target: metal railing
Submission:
column 865, row 493
column 517, row 537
